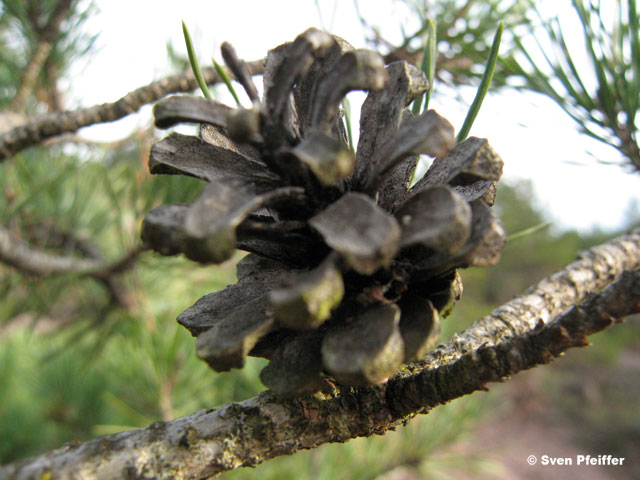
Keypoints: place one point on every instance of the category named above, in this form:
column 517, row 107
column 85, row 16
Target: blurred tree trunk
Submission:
column 45, row 41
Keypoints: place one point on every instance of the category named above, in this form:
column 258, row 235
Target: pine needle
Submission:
column 484, row 85
column 194, row 63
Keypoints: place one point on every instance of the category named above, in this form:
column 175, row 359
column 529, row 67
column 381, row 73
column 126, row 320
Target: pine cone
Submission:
column 350, row 270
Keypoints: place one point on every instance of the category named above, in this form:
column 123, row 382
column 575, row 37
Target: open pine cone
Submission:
column 350, row 270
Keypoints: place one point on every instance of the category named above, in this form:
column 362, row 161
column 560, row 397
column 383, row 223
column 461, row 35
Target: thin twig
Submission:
column 57, row 123
column 71, row 241
column 20, row 255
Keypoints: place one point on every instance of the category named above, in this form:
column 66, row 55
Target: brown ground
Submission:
column 562, row 410
column 533, row 427
column 565, row 410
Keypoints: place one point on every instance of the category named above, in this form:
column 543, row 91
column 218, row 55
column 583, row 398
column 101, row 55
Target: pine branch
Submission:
column 58, row 123
column 530, row 330
column 18, row 254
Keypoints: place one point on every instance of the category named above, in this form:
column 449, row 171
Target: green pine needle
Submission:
column 528, row 231
column 227, row 81
column 194, row 63
column 484, row 85
column 346, row 106
column 428, row 66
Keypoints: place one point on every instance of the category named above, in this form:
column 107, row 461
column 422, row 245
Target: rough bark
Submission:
column 58, row 123
column 530, row 330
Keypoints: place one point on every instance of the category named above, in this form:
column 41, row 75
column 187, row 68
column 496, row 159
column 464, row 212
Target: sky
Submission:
column 536, row 140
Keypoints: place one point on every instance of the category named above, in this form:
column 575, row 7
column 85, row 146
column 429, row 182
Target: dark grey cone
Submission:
column 351, row 269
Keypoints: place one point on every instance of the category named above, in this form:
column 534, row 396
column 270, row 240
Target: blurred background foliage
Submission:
column 464, row 29
column 602, row 99
column 83, row 356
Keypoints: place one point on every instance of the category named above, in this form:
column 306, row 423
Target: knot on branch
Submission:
column 351, row 266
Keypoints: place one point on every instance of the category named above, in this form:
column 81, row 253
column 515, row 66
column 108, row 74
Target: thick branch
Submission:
column 57, row 123
column 530, row 330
